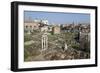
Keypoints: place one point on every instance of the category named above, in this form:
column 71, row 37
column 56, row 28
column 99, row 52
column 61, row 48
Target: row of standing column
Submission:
column 44, row 42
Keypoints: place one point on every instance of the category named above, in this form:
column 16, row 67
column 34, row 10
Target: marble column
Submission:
column 44, row 42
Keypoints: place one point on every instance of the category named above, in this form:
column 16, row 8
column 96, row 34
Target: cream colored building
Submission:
column 56, row 30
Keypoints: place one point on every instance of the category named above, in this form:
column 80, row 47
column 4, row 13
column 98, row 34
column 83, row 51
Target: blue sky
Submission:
column 58, row 17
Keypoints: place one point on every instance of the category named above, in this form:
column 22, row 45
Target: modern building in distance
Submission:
column 45, row 22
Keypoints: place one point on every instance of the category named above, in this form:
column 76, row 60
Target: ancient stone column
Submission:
column 66, row 47
column 44, row 41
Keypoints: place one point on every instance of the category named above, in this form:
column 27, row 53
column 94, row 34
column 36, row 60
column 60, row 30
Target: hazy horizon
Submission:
column 57, row 17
